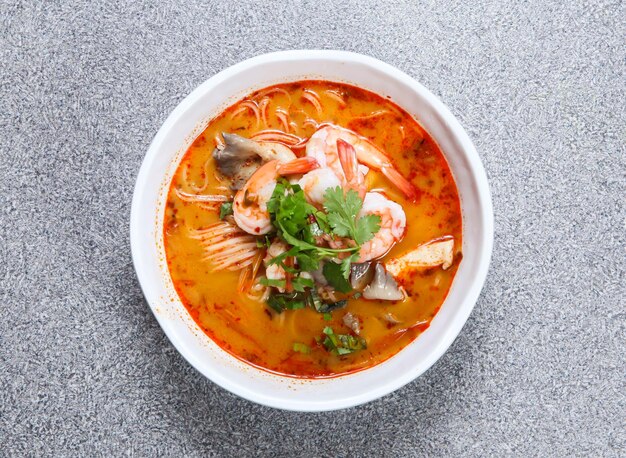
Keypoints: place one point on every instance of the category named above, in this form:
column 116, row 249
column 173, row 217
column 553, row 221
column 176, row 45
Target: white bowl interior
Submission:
column 190, row 118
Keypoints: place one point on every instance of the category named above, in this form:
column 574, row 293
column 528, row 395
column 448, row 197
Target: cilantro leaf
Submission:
column 300, row 283
column 322, row 221
column 340, row 225
column 347, row 205
column 343, row 210
column 334, row 275
column 307, row 261
column 269, row 282
column 366, row 227
column 346, row 263
column 279, row 192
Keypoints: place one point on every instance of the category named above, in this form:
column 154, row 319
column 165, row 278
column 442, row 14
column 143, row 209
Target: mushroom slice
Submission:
column 361, row 275
column 432, row 254
column 240, row 157
column 383, row 287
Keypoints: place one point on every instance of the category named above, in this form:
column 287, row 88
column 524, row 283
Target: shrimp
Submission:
column 323, row 146
column 392, row 226
column 355, row 179
column 250, row 203
column 315, row 183
column 275, row 271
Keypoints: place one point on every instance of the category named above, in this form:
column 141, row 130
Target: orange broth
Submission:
column 251, row 331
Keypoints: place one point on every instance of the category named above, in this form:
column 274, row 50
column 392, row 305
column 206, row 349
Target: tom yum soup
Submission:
column 313, row 229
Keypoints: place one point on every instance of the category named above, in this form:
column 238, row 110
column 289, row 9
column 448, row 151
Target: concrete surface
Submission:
column 540, row 367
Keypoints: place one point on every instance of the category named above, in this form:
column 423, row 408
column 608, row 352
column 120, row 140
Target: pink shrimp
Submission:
column 355, row 178
column 323, row 146
column 349, row 176
column 392, row 226
column 250, row 203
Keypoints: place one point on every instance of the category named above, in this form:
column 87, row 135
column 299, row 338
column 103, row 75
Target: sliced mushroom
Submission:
column 383, row 287
column 438, row 252
column 241, row 157
column 361, row 275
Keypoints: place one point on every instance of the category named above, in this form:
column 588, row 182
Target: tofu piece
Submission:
column 438, row 252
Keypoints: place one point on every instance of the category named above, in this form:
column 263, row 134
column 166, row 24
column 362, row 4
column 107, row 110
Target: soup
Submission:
column 313, row 229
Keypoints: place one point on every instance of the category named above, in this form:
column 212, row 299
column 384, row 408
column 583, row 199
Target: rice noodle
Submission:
column 226, row 246
column 246, row 281
column 267, row 92
column 336, row 95
column 243, row 280
column 283, row 117
column 310, row 122
column 208, row 207
column 212, row 230
column 204, row 198
column 270, row 135
column 371, row 115
column 193, row 187
column 248, row 104
column 258, row 293
column 263, row 104
column 401, row 129
column 313, row 99
column 238, row 257
column 300, row 145
column 256, row 266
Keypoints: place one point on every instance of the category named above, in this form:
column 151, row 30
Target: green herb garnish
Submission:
column 280, row 302
column 301, row 348
column 332, row 306
column 300, row 283
column 226, row 209
column 342, row 344
column 343, row 210
column 298, row 223
column 264, row 242
column 275, row 283
column 334, row 273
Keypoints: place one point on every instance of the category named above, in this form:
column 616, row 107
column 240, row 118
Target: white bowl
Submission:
column 191, row 117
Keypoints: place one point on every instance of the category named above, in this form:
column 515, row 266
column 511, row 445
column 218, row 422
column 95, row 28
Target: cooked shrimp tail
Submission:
column 373, row 157
column 298, row 166
column 324, row 145
column 407, row 188
column 350, row 166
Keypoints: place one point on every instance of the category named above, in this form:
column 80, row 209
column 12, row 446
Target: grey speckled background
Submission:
column 538, row 370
